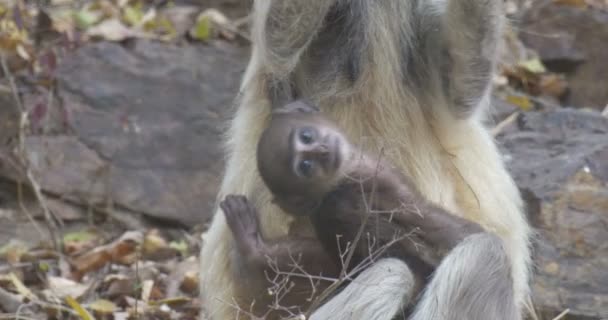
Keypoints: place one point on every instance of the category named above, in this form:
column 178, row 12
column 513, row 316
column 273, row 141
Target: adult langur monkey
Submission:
column 410, row 77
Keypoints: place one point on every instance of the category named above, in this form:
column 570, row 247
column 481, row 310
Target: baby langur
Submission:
column 312, row 170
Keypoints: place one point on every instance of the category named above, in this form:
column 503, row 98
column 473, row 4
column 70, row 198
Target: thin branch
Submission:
column 21, row 154
column 504, row 123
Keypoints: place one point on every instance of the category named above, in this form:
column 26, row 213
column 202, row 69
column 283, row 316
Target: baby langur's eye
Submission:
column 307, row 136
column 305, row 167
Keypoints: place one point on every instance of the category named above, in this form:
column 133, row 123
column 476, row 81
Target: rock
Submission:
column 574, row 40
column 560, row 161
column 145, row 127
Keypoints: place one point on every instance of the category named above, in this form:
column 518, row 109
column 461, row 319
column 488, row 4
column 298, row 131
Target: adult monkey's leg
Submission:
column 379, row 292
column 473, row 282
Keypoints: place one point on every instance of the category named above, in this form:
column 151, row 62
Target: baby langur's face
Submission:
column 303, row 155
column 318, row 151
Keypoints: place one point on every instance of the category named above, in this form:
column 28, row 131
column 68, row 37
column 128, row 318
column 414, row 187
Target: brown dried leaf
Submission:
column 553, row 85
column 156, row 248
column 190, row 282
column 79, row 241
column 113, row 252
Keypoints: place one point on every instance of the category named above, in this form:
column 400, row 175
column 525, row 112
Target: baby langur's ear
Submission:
column 297, row 106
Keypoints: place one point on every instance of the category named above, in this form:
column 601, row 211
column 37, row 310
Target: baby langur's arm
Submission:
column 437, row 227
column 440, row 228
column 308, row 253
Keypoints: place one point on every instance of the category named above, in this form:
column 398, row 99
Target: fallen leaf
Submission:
column 113, row 252
column 80, row 310
column 554, row 85
column 180, row 246
column 22, row 52
column 146, row 290
column 173, row 302
column 76, row 242
column 114, row 30
column 103, row 307
column 190, row 282
column 202, row 29
column 133, row 15
column 522, row 102
column 533, row 65
column 21, row 288
column 86, row 18
column 153, row 242
column 63, row 287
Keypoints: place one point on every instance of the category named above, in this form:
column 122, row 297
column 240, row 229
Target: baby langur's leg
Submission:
column 389, row 281
column 284, row 253
column 473, row 282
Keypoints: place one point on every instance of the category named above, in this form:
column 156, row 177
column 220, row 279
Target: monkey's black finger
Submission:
column 227, row 205
column 253, row 213
column 242, row 203
column 224, row 206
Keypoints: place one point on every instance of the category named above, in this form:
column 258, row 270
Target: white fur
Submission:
column 351, row 303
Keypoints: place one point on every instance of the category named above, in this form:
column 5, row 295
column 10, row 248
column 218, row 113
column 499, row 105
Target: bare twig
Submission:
column 504, row 123
column 22, row 156
column 562, row 315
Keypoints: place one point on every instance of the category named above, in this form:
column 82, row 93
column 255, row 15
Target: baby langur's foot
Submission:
column 242, row 219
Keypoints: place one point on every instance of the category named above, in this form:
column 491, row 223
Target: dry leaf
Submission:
column 153, row 242
column 190, row 282
column 82, row 312
column 533, row 65
column 521, row 101
column 103, row 307
column 553, row 85
column 146, row 290
column 114, row 30
column 204, row 26
column 103, row 255
column 63, row 288
column 21, row 288
column 173, row 302
column 79, row 241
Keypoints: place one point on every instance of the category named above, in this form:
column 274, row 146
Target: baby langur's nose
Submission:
column 321, row 149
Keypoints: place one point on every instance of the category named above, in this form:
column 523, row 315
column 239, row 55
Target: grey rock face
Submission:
column 560, row 161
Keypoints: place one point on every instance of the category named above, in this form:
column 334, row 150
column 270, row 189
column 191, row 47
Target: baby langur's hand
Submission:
column 242, row 219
